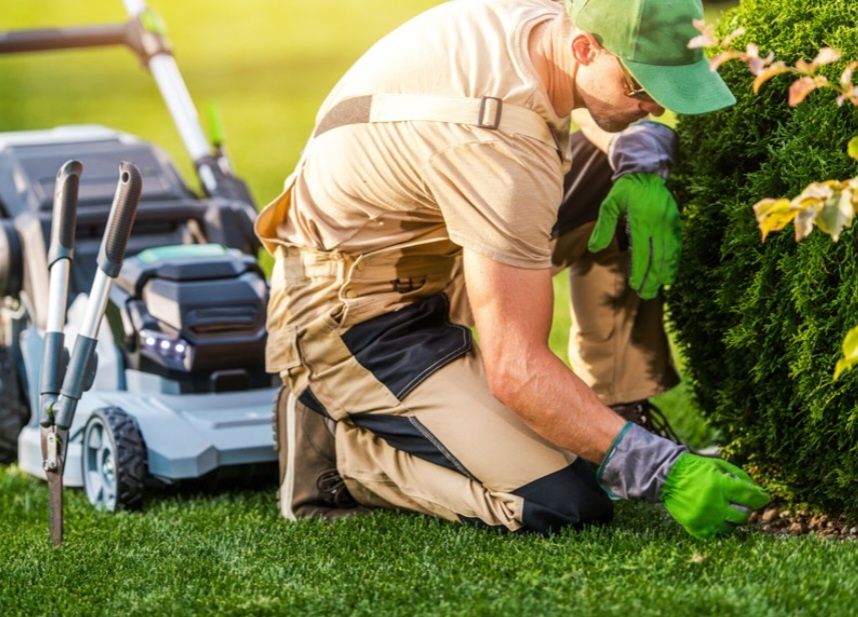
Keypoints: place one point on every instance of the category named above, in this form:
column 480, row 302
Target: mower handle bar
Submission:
column 152, row 48
column 48, row 39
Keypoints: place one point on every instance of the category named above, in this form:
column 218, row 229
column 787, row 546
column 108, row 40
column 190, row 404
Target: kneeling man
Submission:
column 424, row 204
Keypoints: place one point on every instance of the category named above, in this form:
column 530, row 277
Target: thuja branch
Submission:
column 829, row 205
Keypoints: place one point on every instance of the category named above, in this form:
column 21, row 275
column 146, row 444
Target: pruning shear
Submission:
column 65, row 378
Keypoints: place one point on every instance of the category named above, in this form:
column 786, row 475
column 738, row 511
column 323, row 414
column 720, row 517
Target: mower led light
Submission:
column 168, row 351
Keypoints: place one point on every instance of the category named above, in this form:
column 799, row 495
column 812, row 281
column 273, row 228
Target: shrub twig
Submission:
column 830, row 205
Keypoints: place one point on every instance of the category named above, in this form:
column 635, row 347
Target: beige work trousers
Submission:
column 617, row 343
column 381, row 343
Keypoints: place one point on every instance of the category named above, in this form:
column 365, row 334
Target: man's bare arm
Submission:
column 513, row 309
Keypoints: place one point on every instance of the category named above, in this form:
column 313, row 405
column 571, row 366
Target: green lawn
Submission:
column 268, row 63
column 231, row 554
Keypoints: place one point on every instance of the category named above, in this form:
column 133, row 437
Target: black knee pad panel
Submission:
column 569, row 497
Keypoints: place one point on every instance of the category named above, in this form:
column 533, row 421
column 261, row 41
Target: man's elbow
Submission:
column 504, row 375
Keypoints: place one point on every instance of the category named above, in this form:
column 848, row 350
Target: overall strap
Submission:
column 485, row 112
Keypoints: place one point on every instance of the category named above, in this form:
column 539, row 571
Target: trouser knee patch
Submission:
column 570, row 497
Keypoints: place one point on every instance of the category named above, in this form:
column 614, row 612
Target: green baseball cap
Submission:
column 651, row 39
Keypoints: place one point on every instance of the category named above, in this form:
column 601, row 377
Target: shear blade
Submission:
column 53, row 453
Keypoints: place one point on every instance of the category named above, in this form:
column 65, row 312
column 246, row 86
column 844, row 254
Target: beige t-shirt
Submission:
column 365, row 187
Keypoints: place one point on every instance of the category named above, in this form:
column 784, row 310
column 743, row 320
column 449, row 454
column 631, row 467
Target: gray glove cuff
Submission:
column 645, row 146
column 637, row 464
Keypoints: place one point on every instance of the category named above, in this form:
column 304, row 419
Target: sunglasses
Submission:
column 633, row 88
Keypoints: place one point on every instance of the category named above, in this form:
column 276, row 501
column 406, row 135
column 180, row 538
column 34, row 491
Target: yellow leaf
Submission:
column 810, row 203
column 766, row 74
column 702, row 40
column 853, row 191
column 799, row 90
column 816, row 192
column 836, row 214
column 728, row 40
column 825, row 56
column 804, row 221
column 805, row 67
column 852, row 148
column 721, row 58
column 846, row 75
column 756, row 64
column 707, row 35
column 773, row 215
column 701, row 26
column 850, row 353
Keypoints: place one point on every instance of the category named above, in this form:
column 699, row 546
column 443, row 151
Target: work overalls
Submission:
column 381, row 343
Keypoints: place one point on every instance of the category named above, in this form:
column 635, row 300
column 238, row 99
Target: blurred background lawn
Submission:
column 267, row 64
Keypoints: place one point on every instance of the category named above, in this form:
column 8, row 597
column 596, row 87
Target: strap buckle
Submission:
column 490, row 107
column 403, row 286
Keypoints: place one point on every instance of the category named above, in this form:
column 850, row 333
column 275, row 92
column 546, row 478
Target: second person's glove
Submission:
column 641, row 155
column 654, row 229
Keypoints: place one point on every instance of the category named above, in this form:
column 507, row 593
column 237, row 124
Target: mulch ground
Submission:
column 778, row 519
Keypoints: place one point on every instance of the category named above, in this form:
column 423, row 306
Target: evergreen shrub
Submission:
column 761, row 324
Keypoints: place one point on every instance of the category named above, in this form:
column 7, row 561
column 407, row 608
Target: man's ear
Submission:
column 585, row 48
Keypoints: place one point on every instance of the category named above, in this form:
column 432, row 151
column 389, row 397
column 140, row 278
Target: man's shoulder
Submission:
column 459, row 48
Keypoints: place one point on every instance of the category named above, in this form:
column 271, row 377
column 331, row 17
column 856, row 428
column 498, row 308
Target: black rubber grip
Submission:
column 53, row 371
column 75, row 380
column 121, row 219
column 65, row 211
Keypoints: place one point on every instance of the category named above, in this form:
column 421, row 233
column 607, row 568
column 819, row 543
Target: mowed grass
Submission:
column 269, row 63
column 232, row 554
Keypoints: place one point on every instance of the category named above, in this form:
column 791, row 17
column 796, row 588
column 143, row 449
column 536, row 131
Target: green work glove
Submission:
column 705, row 495
column 654, row 229
column 708, row 496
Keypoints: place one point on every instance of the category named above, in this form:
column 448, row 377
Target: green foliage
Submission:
column 762, row 324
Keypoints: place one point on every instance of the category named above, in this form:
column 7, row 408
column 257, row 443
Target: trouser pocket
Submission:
column 403, row 348
column 281, row 351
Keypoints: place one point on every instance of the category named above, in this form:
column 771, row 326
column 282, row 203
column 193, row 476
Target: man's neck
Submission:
column 550, row 51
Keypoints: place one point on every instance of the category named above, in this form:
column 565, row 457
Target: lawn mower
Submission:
column 180, row 389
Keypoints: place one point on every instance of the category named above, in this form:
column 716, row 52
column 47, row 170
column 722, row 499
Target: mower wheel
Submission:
column 114, row 461
column 14, row 412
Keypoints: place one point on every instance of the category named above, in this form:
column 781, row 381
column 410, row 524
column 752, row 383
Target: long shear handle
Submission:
column 60, row 256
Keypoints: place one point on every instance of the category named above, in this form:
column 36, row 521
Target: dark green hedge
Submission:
column 761, row 324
